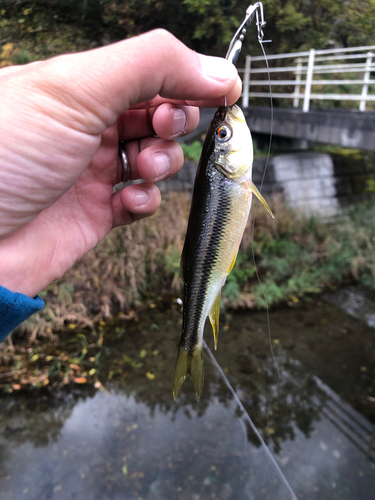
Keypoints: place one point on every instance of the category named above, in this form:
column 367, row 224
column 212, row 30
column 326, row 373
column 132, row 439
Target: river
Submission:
column 314, row 405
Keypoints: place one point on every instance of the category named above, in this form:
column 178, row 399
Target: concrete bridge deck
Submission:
column 346, row 128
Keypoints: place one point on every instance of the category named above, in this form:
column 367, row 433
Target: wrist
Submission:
column 18, row 272
column 27, row 261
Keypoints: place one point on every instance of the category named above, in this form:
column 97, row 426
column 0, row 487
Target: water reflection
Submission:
column 110, row 446
column 133, row 441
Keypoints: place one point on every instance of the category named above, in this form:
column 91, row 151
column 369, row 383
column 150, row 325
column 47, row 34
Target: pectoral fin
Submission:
column 214, row 316
column 254, row 189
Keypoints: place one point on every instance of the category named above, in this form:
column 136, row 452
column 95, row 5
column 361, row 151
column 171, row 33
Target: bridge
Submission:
column 310, row 181
column 297, row 77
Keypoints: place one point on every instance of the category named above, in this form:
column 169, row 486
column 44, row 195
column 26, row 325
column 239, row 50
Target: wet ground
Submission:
column 315, row 411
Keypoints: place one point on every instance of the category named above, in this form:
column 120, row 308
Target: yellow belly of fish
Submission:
column 228, row 249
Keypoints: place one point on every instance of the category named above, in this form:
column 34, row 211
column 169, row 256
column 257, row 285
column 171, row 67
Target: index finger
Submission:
column 104, row 82
column 202, row 103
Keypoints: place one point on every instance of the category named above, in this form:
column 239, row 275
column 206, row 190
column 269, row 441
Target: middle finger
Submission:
column 168, row 121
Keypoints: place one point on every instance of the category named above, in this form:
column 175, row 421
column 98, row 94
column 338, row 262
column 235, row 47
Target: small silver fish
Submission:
column 220, row 208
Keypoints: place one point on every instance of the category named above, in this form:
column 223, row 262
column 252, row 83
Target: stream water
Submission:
column 315, row 411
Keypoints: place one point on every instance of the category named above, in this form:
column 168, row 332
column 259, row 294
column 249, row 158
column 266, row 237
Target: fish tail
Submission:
column 189, row 364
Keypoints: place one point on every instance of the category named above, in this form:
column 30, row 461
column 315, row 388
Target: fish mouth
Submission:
column 236, row 113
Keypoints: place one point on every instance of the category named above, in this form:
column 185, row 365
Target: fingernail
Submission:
column 217, row 68
column 140, row 197
column 179, row 121
column 161, row 164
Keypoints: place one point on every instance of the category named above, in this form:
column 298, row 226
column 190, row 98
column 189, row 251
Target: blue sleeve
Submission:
column 15, row 308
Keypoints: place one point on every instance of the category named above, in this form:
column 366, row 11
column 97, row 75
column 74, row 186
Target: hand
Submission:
column 61, row 123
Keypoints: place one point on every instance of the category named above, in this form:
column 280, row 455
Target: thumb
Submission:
column 104, row 82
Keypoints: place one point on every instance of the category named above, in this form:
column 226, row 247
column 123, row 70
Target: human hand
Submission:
column 62, row 121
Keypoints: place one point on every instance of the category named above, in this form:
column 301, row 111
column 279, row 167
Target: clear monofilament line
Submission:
column 250, row 422
column 253, row 223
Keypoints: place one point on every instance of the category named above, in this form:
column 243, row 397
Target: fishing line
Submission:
column 253, row 223
column 249, row 421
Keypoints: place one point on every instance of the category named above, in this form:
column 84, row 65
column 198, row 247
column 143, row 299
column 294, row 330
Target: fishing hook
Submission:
column 236, row 43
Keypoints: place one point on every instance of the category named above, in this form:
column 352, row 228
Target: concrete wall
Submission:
column 308, row 182
column 312, row 183
column 184, row 180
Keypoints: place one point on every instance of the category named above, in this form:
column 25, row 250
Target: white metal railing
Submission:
column 333, row 62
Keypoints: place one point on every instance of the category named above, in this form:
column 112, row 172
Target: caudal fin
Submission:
column 188, row 364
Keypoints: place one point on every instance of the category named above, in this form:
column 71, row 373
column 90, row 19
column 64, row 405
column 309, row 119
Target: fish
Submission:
column 219, row 211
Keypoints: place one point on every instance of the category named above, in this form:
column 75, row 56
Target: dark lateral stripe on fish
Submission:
column 220, row 207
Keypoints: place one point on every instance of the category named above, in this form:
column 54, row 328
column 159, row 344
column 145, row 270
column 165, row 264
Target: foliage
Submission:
column 36, row 34
column 296, row 256
column 299, row 25
column 204, row 25
column 287, row 253
column 192, row 151
column 124, row 271
column 351, row 246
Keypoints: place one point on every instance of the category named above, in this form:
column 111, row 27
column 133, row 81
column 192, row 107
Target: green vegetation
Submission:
column 135, row 266
column 140, row 264
column 29, row 32
column 192, row 151
column 299, row 256
column 42, row 28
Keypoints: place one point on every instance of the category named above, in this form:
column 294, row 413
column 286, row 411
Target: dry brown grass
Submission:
column 119, row 274
column 137, row 264
column 132, row 264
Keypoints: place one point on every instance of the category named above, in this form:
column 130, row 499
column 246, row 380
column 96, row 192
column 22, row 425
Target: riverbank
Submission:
column 136, row 268
column 136, row 265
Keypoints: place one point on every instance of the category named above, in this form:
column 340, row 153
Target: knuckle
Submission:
column 160, row 37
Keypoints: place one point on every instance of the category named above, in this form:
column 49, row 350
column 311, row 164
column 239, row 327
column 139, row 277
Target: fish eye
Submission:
column 223, row 133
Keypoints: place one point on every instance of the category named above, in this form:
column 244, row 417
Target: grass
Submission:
column 135, row 265
column 297, row 256
column 120, row 275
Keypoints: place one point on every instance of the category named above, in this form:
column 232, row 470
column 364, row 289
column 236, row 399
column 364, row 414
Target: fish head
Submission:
column 233, row 151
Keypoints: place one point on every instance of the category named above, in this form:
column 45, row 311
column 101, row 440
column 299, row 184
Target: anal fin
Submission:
column 214, row 316
column 233, row 262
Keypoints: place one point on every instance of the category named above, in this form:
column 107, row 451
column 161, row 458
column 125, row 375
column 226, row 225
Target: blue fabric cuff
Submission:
column 15, row 308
